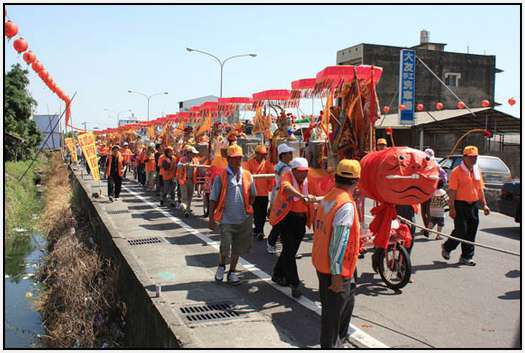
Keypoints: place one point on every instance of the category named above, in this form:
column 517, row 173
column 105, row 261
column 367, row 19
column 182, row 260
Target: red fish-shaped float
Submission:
column 395, row 176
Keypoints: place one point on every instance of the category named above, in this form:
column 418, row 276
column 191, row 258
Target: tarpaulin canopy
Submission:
column 228, row 105
column 333, row 77
column 280, row 97
column 235, row 100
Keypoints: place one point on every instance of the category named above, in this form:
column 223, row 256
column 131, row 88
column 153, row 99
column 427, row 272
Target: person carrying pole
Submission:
column 114, row 173
column 334, row 253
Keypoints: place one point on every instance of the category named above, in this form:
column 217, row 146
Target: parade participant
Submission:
column 141, row 166
column 167, row 168
column 231, row 199
column 126, row 156
column 285, row 154
column 425, row 206
column 381, row 144
column 232, row 137
column 158, row 153
column 260, row 165
column 103, row 152
column 334, row 253
column 149, row 162
column 465, row 189
column 114, row 173
column 187, row 177
column 291, row 210
column 438, row 202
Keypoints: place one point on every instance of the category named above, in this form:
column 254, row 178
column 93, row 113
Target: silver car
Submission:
column 493, row 169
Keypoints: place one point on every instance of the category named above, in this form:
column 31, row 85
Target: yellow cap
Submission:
column 470, row 151
column 235, row 151
column 261, row 149
column 381, row 141
column 348, row 168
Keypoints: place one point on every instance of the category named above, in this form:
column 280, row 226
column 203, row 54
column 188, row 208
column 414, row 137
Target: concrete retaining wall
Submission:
column 146, row 328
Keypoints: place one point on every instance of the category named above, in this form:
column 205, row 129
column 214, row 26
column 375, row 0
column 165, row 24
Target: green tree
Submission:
column 21, row 137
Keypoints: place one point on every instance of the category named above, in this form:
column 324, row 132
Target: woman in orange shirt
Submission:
column 149, row 160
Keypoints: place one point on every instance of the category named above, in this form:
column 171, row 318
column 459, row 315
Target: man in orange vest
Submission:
column 291, row 209
column 260, row 165
column 114, row 173
column 231, row 199
column 167, row 169
column 187, row 177
column 126, row 156
column 334, row 253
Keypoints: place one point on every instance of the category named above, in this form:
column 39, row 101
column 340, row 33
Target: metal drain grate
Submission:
column 144, row 241
column 209, row 312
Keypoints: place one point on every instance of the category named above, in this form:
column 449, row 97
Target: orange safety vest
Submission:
column 166, row 174
column 246, row 181
column 263, row 186
column 282, row 204
column 103, row 151
column 323, row 234
column 150, row 163
column 126, row 154
column 181, row 173
column 119, row 164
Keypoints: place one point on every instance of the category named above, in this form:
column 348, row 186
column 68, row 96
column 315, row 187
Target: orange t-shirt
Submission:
column 150, row 163
column 466, row 187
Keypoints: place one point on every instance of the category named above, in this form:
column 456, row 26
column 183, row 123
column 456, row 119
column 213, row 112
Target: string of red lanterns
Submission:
column 30, row 58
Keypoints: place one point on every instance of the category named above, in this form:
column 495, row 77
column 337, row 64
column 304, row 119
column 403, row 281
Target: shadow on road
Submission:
column 437, row 265
column 512, row 295
column 507, row 232
column 370, row 285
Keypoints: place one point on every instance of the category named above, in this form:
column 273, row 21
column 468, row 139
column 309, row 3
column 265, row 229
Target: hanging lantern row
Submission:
column 439, row 106
column 21, row 46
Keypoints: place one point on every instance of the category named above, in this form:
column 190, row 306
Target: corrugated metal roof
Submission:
column 392, row 120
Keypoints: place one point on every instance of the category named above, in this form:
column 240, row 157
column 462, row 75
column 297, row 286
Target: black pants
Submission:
column 141, row 171
column 274, row 234
column 407, row 211
column 114, row 182
column 293, row 229
column 159, row 181
column 336, row 310
column 260, row 210
column 125, row 169
column 465, row 227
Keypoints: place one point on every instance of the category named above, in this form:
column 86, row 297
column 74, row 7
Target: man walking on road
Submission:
column 114, row 173
column 260, row 165
column 291, row 210
column 167, row 170
column 231, row 200
column 334, row 253
column 465, row 191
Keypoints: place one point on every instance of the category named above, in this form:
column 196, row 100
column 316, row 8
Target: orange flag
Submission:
column 325, row 122
column 206, row 126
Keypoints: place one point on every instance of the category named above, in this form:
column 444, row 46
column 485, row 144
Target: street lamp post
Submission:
column 147, row 97
column 221, row 62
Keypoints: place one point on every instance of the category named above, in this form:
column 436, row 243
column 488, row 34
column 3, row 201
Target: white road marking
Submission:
column 355, row 335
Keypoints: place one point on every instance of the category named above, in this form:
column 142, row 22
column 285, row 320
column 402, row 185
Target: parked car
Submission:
column 493, row 169
column 510, row 200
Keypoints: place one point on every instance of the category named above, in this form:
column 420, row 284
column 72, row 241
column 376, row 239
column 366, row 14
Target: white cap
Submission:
column 284, row 148
column 125, row 144
column 152, row 144
column 429, row 152
column 299, row 163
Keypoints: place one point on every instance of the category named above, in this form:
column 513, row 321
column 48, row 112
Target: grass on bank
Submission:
column 21, row 197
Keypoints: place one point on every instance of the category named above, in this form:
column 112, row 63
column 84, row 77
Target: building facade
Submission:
column 471, row 76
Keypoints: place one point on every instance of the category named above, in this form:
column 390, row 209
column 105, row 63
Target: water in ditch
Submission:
column 22, row 323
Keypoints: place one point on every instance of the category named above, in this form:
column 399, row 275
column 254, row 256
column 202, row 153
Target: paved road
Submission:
column 446, row 306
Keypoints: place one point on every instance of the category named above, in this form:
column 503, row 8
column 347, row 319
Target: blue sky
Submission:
column 102, row 51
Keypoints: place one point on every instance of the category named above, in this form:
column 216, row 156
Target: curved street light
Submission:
column 147, row 97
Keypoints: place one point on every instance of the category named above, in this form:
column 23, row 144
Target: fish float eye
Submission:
column 401, row 158
column 427, row 158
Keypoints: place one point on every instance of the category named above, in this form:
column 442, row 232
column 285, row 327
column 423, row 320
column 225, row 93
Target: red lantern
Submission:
column 439, row 106
column 29, row 57
column 487, row 133
column 388, row 131
column 485, row 103
column 511, row 101
column 20, row 45
column 420, row 107
column 10, row 29
column 460, row 105
column 37, row 66
column 43, row 74
column 386, row 109
column 401, row 107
